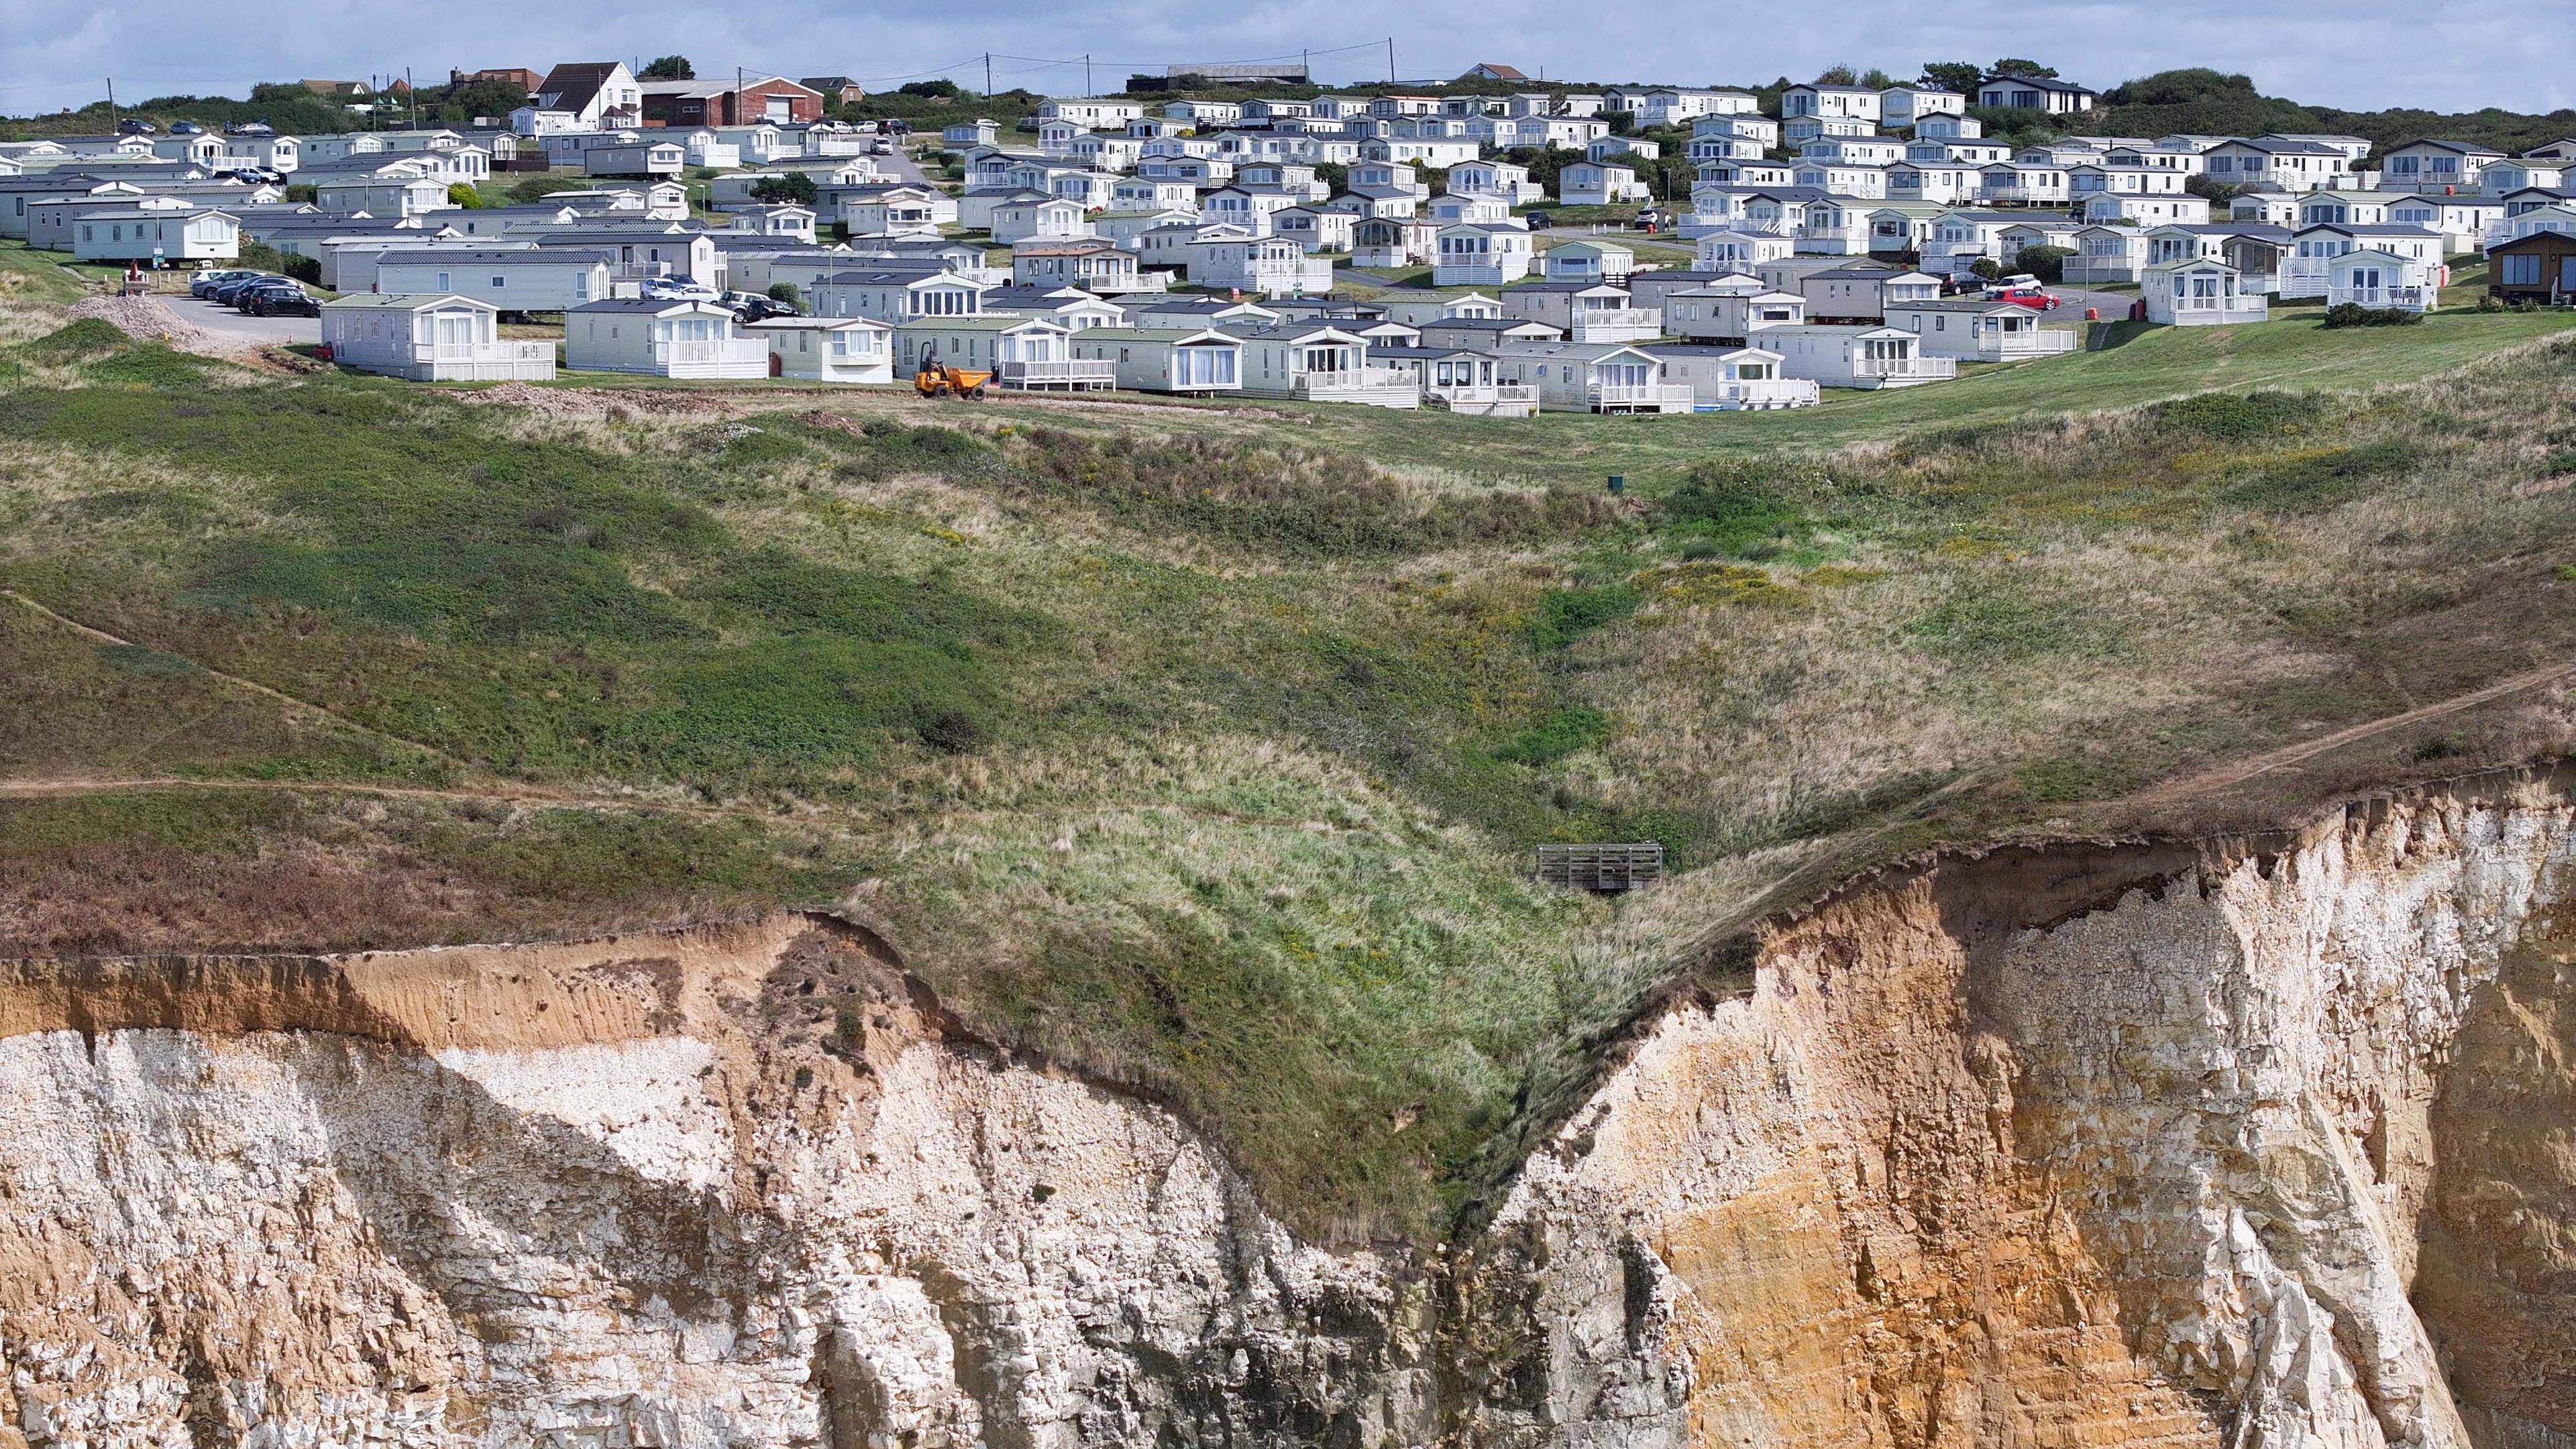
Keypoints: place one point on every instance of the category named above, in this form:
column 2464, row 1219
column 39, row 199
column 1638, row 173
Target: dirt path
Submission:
column 2238, row 772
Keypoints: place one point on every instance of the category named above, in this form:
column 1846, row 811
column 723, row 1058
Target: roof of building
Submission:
column 2464, row 148
column 573, row 85
column 647, row 306
column 401, row 301
column 448, row 256
column 2045, row 83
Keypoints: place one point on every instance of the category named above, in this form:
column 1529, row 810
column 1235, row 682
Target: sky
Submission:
column 2352, row 54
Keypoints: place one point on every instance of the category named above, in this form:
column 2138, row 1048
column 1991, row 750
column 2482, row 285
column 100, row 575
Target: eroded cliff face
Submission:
column 739, row 1188
column 2172, row 1145
column 2085, row 1147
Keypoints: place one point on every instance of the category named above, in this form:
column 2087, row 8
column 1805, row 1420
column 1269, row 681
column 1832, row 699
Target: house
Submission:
column 1492, row 71
column 837, row 90
column 518, row 280
column 1586, row 311
column 774, row 99
column 2034, row 93
column 1480, row 254
column 1028, row 354
column 1725, row 379
column 1599, row 183
column 661, row 337
column 1862, row 356
column 2462, row 221
column 2378, row 278
column 1731, row 312
column 1589, row 261
column 1495, row 178
column 430, row 339
column 597, row 95
column 2308, row 270
column 1269, row 266
column 1976, row 330
column 164, row 233
column 1592, row 377
column 2201, row 292
column 1319, row 362
column 2538, row 266
column 1191, row 361
column 2436, row 165
column 1863, row 291
column 896, row 295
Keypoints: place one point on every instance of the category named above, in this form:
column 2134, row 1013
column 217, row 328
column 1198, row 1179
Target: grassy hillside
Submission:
column 2207, row 102
column 1202, row 746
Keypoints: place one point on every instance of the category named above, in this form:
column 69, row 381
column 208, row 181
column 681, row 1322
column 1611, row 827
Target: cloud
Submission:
column 2360, row 54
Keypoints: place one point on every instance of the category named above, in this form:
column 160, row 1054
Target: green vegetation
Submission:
column 1201, row 746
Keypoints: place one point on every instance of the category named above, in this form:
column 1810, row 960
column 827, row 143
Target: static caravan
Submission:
column 662, row 338
column 1861, row 357
column 1593, row 377
column 1972, row 330
column 1590, row 261
column 1479, row 255
column 517, row 281
column 827, row 349
column 1733, row 379
column 2381, row 278
column 1319, row 362
column 164, row 234
column 1196, row 361
column 1316, row 228
column 1094, row 264
column 1392, row 242
column 2200, row 292
column 1459, row 380
column 1730, row 314
column 637, row 158
column 1031, row 215
column 430, row 339
column 897, row 296
column 1027, row 353
column 1587, row 311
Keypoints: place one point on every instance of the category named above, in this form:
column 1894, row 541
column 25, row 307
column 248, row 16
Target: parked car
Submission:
column 286, row 301
column 250, row 128
column 2017, row 282
column 205, row 282
column 755, row 309
column 2031, row 297
column 242, row 296
column 881, row 147
column 679, row 289
column 226, row 293
column 1539, row 220
column 135, row 126
column 186, row 128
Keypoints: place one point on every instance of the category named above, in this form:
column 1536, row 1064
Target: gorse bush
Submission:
column 2231, row 418
column 2353, row 314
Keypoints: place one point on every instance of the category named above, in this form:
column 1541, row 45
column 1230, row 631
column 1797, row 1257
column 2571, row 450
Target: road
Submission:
column 229, row 330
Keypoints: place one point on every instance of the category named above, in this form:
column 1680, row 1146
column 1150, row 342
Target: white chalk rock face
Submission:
column 2268, row 1145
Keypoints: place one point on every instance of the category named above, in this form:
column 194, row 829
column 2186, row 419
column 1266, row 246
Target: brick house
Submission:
column 774, row 99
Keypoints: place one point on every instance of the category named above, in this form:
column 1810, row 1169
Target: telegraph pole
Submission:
column 1390, row 60
column 111, row 105
column 988, row 72
column 1086, row 77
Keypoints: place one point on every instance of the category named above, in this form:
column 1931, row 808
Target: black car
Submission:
column 282, row 302
column 1538, row 220
column 761, row 309
column 242, row 299
column 226, row 293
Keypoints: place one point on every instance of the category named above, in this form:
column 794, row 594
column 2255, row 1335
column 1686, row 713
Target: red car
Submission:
column 2036, row 301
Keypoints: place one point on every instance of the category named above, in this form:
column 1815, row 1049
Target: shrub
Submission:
column 2044, row 262
column 269, row 259
column 2353, row 314
column 792, row 186
column 2229, row 418
column 783, row 292
column 463, row 194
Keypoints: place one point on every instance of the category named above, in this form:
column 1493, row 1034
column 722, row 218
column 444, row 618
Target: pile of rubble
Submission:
column 146, row 319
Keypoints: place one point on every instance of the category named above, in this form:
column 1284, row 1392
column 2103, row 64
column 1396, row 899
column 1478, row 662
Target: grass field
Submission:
column 1202, row 746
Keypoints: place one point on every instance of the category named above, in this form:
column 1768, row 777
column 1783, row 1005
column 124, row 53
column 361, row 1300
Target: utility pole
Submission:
column 988, row 73
column 411, row 98
column 111, row 104
column 733, row 107
column 1390, row 60
column 1086, row 77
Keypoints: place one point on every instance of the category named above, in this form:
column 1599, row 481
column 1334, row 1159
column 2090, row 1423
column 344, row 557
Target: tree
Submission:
column 1985, row 269
column 2029, row 69
column 462, row 193
column 790, row 186
column 1876, row 79
column 945, row 90
column 1954, row 75
column 669, row 67
column 2216, row 193
column 2044, row 262
column 1836, row 75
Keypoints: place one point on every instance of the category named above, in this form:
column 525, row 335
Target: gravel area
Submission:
column 147, row 319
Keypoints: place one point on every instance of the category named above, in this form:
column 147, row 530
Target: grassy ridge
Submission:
column 1200, row 746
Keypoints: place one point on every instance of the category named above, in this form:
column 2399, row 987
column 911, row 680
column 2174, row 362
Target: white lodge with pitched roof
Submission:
column 430, row 339
column 663, row 338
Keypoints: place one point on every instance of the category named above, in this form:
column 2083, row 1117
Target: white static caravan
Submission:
column 896, row 296
column 1737, row 251
column 656, row 158
column 1972, row 330
column 516, row 280
column 1593, row 377
column 1475, row 255
column 661, row 338
column 827, row 349
column 1027, row 353
column 1730, row 314
column 430, row 339
column 2379, row 278
column 158, row 233
column 1460, row 380
column 1319, row 362
column 1195, row 361
column 1861, row 357
column 1392, row 242
column 1733, row 379
column 2200, row 292
column 1315, row 228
